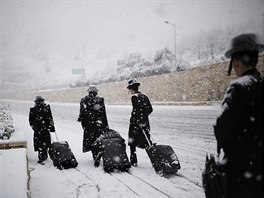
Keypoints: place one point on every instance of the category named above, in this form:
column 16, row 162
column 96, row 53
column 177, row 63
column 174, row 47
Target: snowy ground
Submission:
column 188, row 129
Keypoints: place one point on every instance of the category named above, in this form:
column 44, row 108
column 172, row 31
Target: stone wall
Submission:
column 205, row 83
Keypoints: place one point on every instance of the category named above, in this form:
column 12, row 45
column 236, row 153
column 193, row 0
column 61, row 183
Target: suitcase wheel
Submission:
column 57, row 165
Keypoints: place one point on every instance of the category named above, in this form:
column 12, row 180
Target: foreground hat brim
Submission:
column 133, row 85
column 259, row 48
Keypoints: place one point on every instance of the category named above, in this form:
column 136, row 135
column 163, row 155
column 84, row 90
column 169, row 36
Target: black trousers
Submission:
column 95, row 152
column 133, row 155
column 43, row 154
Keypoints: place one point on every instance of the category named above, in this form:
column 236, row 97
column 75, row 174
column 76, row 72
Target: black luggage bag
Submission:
column 113, row 150
column 163, row 158
column 114, row 155
column 62, row 156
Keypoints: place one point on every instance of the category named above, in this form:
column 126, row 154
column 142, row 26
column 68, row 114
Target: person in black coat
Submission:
column 239, row 128
column 139, row 120
column 93, row 118
column 41, row 121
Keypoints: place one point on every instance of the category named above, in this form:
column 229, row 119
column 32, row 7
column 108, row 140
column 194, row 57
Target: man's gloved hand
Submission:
column 52, row 129
column 79, row 120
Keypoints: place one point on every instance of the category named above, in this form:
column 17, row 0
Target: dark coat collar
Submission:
column 252, row 72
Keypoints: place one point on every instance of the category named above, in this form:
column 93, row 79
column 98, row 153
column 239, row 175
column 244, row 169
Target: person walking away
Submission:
column 41, row 121
column 93, row 119
column 239, row 127
column 139, row 121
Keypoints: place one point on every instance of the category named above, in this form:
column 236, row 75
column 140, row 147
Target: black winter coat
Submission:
column 139, row 120
column 93, row 119
column 239, row 131
column 41, row 121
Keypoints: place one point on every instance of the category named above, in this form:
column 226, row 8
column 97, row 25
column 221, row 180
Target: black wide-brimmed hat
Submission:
column 133, row 83
column 244, row 42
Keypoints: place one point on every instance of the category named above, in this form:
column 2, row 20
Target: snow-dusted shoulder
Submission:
column 244, row 81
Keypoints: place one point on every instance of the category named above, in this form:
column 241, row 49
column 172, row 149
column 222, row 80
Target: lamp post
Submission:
column 174, row 27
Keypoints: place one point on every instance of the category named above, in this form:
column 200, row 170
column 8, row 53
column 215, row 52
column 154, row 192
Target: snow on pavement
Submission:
column 188, row 129
column 14, row 178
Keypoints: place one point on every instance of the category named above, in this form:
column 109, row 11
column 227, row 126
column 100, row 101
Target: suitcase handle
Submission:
column 56, row 137
column 146, row 137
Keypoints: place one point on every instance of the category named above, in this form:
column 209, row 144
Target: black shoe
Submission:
column 41, row 162
column 134, row 164
column 176, row 164
column 96, row 163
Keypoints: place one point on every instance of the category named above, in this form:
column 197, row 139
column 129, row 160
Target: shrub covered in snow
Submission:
column 6, row 121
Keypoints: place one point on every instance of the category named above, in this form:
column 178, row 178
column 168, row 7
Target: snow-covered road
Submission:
column 188, row 129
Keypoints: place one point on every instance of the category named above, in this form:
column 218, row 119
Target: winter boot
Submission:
column 133, row 156
column 41, row 162
column 133, row 160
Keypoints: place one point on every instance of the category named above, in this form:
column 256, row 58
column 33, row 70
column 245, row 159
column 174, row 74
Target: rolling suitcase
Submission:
column 163, row 158
column 114, row 155
column 61, row 155
column 113, row 150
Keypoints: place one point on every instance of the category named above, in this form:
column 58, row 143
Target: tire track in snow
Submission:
column 173, row 182
column 81, row 186
column 87, row 177
column 72, row 184
column 142, row 187
column 188, row 179
column 151, row 185
column 126, row 185
column 130, row 193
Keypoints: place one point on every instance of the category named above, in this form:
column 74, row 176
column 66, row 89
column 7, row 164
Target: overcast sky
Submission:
column 97, row 33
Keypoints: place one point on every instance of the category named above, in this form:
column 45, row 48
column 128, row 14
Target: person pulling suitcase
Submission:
column 93, row 118
column 61, row 154
column 41, row 121
column 139, row 120
column 162, row 157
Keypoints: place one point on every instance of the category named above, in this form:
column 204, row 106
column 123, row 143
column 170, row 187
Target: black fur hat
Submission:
column 39, row 98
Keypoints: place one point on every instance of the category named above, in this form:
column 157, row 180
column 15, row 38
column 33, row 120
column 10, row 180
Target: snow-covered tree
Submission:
column 163, row 56
column 130, row 61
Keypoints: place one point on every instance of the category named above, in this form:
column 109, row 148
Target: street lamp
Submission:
column 174, row 26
